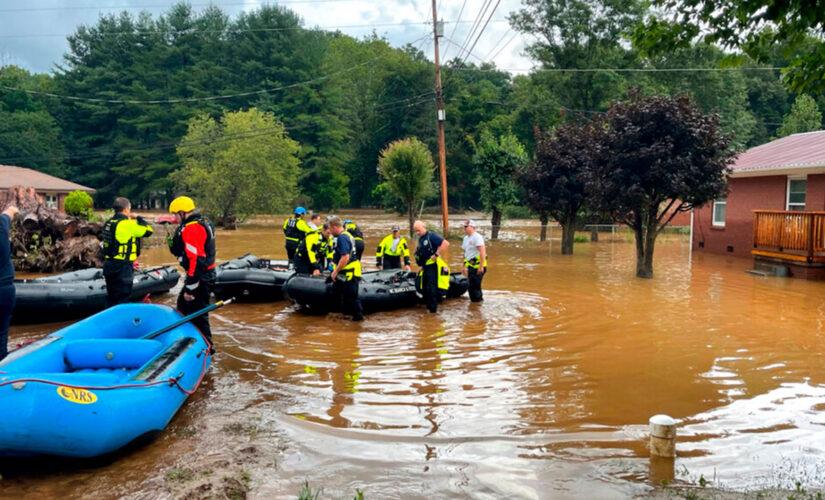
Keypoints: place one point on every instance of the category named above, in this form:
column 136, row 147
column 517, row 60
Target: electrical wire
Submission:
column 505, row 46
column 483, row 28
column 476, row 24
column 458, row 20
column 119, row 8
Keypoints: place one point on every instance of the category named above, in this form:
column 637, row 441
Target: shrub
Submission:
column 79, row 204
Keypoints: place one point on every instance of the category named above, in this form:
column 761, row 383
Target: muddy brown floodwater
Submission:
column 544, row 391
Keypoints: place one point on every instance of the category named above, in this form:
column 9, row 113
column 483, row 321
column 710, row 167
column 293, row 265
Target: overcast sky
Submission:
column 33, row 32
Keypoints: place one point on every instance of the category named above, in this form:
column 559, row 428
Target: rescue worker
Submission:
column 295, row 229
column 355, row 231
column 121, row 247
column 311, row 254
column 347, row 272
column 475, row 260
column 434, row 274
column 391, row 249
column 7, row 294
column 315, row 221
column 194, row 245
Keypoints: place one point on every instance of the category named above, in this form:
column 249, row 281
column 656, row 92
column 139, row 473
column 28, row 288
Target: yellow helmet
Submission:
column 181, row 204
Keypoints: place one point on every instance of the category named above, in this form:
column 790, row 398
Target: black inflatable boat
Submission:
column 250, row 279
column 80, row 293
column 378, row 290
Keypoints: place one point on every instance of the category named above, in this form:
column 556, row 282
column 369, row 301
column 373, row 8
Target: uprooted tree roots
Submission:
column 46, row 240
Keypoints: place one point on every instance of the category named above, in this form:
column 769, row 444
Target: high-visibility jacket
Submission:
column 353, row 268
column 296, row 229
column 443, row 275
column 313, row 250
column 121, row 237
column 354, row 230
column 194, row 246
column 474, row 262
column 385, row 248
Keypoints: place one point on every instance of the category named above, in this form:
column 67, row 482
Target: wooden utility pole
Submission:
column 442, row 152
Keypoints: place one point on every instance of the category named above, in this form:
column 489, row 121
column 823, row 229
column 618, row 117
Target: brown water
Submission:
column 544, row 391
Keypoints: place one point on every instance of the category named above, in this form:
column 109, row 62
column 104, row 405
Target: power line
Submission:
column 455, row 26
column 231, row 31
column 487, row 57
column 476, row 24
column 505, row 46
column 483, row 28
column 622, row 70
column 195, row 99
column 110, row 150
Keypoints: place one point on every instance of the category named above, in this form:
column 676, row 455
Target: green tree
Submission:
column 236, row 170
column 754, row 27
column 407, row 167
column 554, row 183
column 657, row 156
column 496, row 162
column 804, row 117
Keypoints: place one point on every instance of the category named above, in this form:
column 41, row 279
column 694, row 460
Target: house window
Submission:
column 796, row 194
column 51, row 200
column 719, row 208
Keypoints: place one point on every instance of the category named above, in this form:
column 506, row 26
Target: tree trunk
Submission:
column 496, row 223
column 645, row 242
column 543, row 236
column 568, row 235
column 411, row 215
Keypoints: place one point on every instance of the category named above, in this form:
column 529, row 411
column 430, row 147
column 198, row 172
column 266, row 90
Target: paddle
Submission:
column 189, row 318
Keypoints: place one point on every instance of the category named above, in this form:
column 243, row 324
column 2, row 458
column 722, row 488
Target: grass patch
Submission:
column 181, row 475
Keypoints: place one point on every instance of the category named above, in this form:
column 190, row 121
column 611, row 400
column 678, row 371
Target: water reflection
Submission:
column 542, row 391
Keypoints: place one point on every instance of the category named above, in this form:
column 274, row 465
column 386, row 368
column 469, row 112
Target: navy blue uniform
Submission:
column 7, row 294
column 345, row 286
column 427, row 247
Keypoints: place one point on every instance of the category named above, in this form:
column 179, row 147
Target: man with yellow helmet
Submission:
column 121, row 247
column 194, row 245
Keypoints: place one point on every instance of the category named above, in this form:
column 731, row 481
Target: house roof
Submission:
column 801, row 152
column 19, row 176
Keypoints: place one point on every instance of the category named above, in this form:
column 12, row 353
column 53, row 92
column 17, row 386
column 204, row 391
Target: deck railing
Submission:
column 790, row 234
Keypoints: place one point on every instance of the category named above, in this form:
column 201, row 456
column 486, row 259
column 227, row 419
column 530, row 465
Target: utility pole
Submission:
column 438, row 30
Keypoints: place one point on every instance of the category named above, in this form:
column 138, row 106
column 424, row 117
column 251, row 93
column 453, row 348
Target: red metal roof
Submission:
column 793, row 151
column 19, row 176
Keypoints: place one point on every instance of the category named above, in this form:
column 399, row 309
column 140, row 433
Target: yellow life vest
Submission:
column 443, row 275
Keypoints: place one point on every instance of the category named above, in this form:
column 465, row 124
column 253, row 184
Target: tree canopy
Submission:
column 407, row 167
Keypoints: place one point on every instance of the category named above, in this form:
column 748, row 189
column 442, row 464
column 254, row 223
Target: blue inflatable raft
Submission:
column 96, row 386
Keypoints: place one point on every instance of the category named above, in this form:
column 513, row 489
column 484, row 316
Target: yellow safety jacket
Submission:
column 313, row 248
column 353, row 268
column 296, row 229
column 127, row 231
column 443, row 275
column 385, row 248
column 473, row 263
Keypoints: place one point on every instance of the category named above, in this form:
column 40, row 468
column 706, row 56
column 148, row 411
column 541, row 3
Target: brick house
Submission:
column 775, row 210
column 53, row 189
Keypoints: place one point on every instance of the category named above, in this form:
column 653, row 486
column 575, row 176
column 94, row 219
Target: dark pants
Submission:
column 6, row 307
column 392, row 262
column 202, row 298
column 291, row 247
column 346, row 297
column 474, row 280
column 119, row 276
column 432, row 295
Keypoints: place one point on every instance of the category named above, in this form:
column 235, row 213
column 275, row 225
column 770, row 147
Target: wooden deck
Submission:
column 789, row 235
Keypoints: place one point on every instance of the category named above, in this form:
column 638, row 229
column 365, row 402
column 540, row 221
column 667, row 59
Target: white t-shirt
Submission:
column 470, row 245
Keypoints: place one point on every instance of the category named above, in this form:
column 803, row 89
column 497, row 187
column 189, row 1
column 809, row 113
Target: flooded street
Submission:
column 542, row 391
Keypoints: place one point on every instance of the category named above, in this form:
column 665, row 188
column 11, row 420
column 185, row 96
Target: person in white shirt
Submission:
column 475, row 260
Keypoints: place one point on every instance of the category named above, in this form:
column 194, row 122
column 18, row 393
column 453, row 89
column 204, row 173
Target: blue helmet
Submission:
column 347, row 221
column 300, row 211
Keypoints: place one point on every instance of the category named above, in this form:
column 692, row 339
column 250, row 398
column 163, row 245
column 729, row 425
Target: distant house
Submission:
column 775, row 210
column 53, row 189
